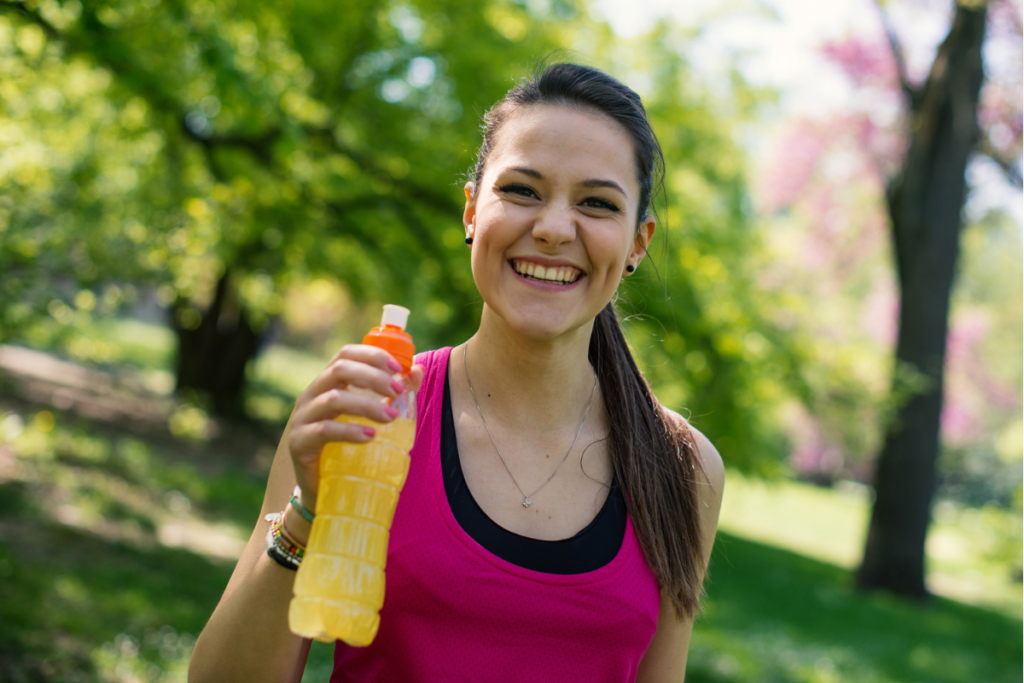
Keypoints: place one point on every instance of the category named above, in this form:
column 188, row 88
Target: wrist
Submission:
column 303, row 503
column 297, row 525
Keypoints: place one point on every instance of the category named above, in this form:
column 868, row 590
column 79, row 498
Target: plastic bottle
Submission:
column 339, row 588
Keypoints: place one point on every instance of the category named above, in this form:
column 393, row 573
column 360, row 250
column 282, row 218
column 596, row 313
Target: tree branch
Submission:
column 423, row 195
column 33, row 15
column 261, row 145
column 912, row 93
column 1013, row 173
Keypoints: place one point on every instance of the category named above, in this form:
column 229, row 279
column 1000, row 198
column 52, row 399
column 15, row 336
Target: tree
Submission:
column 925, row 198
column 863, row 176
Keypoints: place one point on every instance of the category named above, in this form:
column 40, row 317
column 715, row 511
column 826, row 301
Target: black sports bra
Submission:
column 593, row 547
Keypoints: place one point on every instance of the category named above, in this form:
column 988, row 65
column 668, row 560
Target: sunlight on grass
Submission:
column 775, row 615
column 146, row 344
column 286, row 369
column 113, row 548
column 780, row 513
column 149, row 348
column 965, row 558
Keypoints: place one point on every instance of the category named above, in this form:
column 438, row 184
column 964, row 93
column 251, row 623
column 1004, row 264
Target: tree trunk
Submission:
column 214, row 349
column 925, row 201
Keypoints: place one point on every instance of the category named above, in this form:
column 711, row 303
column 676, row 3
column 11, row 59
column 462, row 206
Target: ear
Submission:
column 469, row 213
column 642, row 240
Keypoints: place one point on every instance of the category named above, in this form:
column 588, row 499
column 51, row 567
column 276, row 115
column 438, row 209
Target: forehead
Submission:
column 566, row 142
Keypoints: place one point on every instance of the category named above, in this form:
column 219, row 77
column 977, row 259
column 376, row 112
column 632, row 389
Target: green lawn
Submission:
column 971, row 553
column 115, row 546
column 774, row 615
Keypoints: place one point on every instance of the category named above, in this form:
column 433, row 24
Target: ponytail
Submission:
column 652, row 451
column 656, row 464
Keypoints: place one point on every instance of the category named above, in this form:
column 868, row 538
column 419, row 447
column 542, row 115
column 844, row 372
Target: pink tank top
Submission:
column 455, row 612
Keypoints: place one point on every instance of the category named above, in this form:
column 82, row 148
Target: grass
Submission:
column 114, row 547
column 967, row 554
column 77, row 606
column 774, row 615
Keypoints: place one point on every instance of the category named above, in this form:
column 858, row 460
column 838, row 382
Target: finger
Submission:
column 309, row 439
column 371, row 355
column 414, row 379
column 335, row 402
column 344, row 372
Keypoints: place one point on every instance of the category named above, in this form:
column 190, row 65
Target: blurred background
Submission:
column 199, row 202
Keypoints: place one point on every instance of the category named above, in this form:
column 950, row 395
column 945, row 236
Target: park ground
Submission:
column 122, row 511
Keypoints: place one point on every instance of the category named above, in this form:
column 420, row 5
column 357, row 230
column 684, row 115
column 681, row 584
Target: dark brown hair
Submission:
column 653, row 453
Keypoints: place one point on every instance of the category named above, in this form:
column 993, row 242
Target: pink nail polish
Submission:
column 370, row 431
column 397, row 386
column 394, row 365
column 391, row 411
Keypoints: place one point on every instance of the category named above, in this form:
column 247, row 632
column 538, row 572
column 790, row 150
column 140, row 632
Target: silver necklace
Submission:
column 526, row 498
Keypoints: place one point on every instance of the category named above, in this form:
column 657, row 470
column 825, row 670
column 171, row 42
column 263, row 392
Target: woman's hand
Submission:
column 312, row 424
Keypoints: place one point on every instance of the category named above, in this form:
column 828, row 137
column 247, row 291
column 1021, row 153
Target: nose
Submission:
column 556, row 225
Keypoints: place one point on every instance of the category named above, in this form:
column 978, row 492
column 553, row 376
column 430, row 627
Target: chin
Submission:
column 543, row 326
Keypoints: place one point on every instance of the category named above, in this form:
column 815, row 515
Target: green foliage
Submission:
column 166, row 144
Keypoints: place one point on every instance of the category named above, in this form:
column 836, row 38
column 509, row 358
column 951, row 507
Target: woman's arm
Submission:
column 665, row 659
column 247, row 638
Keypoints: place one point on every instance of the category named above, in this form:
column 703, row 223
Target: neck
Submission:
column 542, row 383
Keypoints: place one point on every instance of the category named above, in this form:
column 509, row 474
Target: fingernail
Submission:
column 397, row 386
column 370, row 431
column 394, row 365
column 391, row 411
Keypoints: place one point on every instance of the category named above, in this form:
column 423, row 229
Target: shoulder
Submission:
column 434, row 364
column 711, row 461
column 429, row 358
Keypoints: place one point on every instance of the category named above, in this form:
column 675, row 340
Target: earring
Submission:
column 630, row 268
column 469, row 240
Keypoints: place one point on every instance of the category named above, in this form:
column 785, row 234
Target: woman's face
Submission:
column 554, row 220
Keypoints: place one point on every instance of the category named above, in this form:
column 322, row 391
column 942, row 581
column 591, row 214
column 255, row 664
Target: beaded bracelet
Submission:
column 288, row 535
column 296, row 503
column 283, row 549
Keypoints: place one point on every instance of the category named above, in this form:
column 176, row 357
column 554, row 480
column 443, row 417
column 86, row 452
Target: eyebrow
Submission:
column 589, row 182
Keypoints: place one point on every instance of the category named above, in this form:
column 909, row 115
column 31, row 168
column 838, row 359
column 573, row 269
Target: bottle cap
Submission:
column 398, row 316
column 392, row 337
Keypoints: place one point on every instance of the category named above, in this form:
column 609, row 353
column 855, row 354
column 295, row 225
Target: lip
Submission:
column 544, row 286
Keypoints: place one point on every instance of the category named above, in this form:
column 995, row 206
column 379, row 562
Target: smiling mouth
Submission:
column 556, row 275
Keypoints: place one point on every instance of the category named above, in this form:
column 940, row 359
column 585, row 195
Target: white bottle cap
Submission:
column 395, row 315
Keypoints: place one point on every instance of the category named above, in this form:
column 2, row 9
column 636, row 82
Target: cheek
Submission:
column 485, row 260
column 614, row 249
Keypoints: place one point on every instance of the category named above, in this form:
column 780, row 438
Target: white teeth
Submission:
column 550, row 274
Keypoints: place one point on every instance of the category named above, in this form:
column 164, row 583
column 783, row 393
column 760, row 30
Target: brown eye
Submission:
column 600, row 203
column 523, row 190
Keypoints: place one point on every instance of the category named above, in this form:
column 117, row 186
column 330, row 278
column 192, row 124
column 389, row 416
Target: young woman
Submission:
column 556, row 522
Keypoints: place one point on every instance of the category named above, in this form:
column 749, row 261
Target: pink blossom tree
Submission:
column 891, row 169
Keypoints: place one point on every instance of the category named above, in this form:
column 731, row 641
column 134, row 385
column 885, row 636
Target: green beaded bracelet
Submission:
column 299, row 507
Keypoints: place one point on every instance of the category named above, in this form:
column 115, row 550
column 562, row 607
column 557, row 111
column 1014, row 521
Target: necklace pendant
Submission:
column 527, row 502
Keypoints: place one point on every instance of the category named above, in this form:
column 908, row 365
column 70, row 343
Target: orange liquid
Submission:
column 339, row 588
